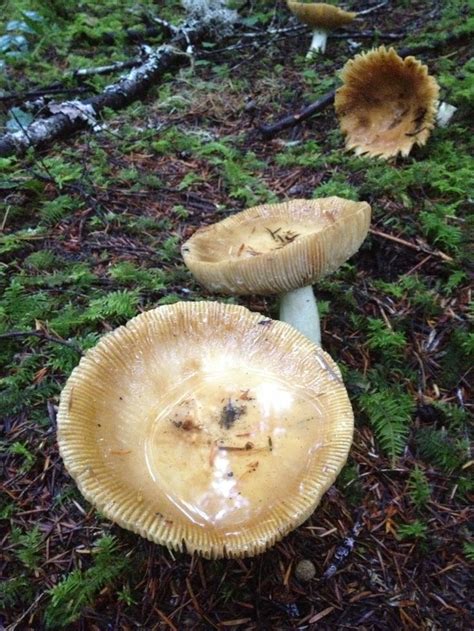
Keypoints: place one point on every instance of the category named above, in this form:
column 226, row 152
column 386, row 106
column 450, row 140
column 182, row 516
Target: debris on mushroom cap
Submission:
column 274, row 248
column 199, row 428
column 386, row 104
column 321, row 15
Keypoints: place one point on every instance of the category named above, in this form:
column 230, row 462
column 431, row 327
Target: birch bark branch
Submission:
column 72, row 116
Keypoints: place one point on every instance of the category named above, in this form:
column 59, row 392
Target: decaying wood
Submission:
column 72, row 116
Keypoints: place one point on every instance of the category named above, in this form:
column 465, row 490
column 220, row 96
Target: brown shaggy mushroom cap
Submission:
column 205, row 426
column 386, row 104
column 321, row 15
column 274, row 248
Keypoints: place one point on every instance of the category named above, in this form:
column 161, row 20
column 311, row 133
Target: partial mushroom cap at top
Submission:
column 386, row 104
column 205, row 427
column 274, row 248
column 320, row 15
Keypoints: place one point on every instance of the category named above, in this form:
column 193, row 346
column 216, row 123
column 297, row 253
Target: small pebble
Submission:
column 305, row 570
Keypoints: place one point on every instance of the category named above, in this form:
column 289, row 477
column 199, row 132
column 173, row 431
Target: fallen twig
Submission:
column 42, row 336
column 268, row 131
column 100, row 70
column 414, row 246
column 367, row 35
column 343, row 551
column 372, row 9
column 21, row 97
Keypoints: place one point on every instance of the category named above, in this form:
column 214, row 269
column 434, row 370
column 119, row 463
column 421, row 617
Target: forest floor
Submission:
column 90, row 235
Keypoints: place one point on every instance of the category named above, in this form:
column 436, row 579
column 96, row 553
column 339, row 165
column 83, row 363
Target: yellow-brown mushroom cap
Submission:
column 320, row 15
column 205, row 426
column 386, row 104
column 274, row 248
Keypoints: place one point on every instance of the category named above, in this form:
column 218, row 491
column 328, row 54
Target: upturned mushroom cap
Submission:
column 274, row 248
column 386, row 104
column 206, row 427
column 321, row 15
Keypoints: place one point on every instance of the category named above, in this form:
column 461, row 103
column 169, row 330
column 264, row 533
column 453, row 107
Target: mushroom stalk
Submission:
column 299, row 308
column 318, row 43
column 445, row 113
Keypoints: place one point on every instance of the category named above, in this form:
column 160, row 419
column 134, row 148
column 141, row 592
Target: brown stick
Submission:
column 268, row 131
column 412, row 246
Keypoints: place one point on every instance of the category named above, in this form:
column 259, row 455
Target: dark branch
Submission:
column 42, row 336
column 21, row 97
column 268, row 131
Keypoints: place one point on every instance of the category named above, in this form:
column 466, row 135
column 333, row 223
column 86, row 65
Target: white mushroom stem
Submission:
column 444, row 114
column 318, row 43
column 299, row 308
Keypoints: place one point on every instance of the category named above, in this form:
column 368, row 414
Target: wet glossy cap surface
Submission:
column 274, row 248
column 321, row 15
column 205, row 426
column 386, row 104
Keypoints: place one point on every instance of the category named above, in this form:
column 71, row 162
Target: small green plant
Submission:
column 415, row 530
column 125, row 596
column 28, row 546
column 121, row 304
column 181, row 212
column 440, row 449
column 7, row 509
column 20, row 449
column 77, row 590
column 15, row 590
column 439, row 227
column 418, row 488
column 389, row 411
column 42, row 260
column 188, row 180
column 169, row 249
column 303, row 155
column 385, row 340
column 468, row 549
column 53, row 211
column 349, row 483
column 338, row 186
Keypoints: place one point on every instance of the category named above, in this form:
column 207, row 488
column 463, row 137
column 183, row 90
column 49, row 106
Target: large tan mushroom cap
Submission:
column 386, row 104
column 206, row 427
column 274, row 248
column 321, row 15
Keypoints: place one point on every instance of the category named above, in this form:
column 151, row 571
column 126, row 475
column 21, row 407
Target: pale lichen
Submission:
column 215, row 14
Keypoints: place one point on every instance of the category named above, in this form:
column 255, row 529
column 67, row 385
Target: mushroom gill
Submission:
column 386, row 104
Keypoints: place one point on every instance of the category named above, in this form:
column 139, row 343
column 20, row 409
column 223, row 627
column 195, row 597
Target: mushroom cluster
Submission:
column 205, row 427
